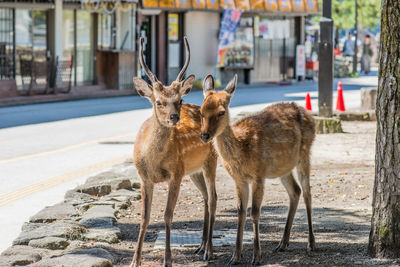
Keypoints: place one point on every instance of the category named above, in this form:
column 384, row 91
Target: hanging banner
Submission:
column 229, row 24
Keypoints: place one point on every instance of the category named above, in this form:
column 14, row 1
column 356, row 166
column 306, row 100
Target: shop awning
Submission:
column 279, row 6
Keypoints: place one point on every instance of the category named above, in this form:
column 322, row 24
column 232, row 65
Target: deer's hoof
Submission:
column 255, row 262
column 200, row 249
column 281, row 247
column 311, row 247
column 207, row 255
column 256, row 259
column 167, row 264
column 234, row 260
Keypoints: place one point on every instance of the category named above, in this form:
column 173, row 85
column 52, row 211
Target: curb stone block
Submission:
column 94, row 190
column 99, row 217
column 109, row 235
column 24, row 255
column 325, row 125
column 53, row 213
column 50, row 242
column 75, row 198
column 92, row 257
column 58, row 229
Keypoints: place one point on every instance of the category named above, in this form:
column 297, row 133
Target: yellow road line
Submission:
column 66, row 148
column 25, row 191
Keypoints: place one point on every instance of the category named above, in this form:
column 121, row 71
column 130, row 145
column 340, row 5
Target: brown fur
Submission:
column 165, row 152
column 268, row 144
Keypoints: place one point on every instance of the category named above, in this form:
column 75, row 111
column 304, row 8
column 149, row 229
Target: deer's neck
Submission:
column 227, row 143
column 159, row 134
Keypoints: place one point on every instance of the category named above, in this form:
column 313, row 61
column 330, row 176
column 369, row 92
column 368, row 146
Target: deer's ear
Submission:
column 231, row 87
column 208, row 84
column 187, row 85
column 142, row 87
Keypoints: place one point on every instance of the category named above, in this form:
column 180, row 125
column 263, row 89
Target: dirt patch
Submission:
column 342, row 182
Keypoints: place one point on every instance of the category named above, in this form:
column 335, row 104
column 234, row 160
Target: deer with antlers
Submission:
column 268, row 144
column 167, row 147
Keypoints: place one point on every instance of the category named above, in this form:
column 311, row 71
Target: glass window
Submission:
column 105, row 31
column 84, row 48
column 23, row 31
column 7, row 69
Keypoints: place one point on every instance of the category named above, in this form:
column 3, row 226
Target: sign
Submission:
column 300, row 60
column 274, row 29
column 173, row 19
column 227, row 31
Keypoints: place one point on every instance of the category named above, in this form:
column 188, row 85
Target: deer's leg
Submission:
column 198, row 180
column 257, row 189
column 303, row 171
column 147, row 197
column 173, row 192
column 209, row 171
column 293, row 191
column 242, row 193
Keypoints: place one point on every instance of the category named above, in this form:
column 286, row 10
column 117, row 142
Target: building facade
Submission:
column 44, row 42
column 265, row 41
column 38, row 37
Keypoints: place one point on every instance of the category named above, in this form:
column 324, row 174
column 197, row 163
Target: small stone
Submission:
column 50, row 242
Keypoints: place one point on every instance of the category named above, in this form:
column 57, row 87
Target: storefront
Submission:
column 43, row 43
column 265, row 39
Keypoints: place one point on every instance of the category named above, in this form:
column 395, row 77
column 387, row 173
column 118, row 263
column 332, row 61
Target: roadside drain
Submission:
column 189, row 239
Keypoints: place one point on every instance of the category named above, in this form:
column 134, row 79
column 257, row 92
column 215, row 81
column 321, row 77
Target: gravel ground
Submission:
column 342, row 181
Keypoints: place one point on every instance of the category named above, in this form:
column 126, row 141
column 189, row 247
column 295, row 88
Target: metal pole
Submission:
column 356, row 37
column 325, row 74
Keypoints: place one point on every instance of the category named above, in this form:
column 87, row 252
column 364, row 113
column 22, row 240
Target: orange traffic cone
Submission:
column 308, row 102
column 339, row 85
column 340, row 101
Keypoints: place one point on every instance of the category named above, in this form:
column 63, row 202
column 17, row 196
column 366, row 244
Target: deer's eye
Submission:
column 158, row 103
column 221, row 113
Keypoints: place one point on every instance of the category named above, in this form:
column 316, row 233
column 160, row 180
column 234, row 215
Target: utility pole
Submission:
column 325, row 74
column 356, row 37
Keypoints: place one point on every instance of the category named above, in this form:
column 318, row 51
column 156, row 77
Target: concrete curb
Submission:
column 79, row 230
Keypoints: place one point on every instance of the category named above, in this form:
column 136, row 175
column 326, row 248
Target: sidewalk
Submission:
column 75, row 94
column 79, row 93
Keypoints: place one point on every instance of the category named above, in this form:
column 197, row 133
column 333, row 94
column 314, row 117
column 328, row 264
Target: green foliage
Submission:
column 198, row 84
column 343, row 13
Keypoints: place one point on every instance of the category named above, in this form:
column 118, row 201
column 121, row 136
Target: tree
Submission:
column 384, row 239
column 343, row 13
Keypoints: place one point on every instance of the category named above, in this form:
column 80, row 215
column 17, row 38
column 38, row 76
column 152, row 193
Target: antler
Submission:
column 146, row 69
column 182, row 72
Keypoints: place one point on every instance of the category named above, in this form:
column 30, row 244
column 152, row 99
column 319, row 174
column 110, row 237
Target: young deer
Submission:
column 268, row 144
column 167, row 147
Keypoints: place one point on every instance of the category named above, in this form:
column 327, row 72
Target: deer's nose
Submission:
column 205, row 137
column 174, row 118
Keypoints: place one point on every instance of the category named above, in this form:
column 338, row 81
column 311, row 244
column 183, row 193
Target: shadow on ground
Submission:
column 341, row 236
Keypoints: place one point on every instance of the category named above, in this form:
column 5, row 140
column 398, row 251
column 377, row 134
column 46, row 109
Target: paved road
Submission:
column 47, row 149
